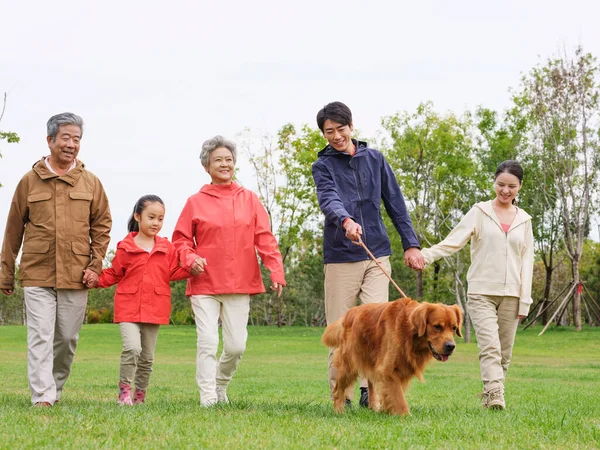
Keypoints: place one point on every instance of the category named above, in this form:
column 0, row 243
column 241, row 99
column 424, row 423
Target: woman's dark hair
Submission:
column 336, row 112
column 132, row 224
column 512, row 167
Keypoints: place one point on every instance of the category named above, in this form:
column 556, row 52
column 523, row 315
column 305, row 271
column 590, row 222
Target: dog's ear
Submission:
column 459, row 319
column 418, row 318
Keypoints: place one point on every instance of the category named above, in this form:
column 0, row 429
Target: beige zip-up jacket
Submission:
column 501, row 263
column 63, row 223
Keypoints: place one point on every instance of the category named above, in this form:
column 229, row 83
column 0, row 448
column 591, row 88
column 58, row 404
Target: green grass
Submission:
column 280, row 398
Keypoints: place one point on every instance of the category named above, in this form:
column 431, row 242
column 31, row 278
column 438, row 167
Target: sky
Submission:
column 153, row 80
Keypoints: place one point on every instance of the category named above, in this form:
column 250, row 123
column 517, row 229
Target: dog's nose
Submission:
column 449, row 347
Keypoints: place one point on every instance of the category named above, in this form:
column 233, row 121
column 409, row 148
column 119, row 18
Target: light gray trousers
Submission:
column 54, row 318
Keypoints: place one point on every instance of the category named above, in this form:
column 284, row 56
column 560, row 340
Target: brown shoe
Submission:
column 43, row 405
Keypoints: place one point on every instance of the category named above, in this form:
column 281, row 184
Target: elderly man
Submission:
column 61, row 216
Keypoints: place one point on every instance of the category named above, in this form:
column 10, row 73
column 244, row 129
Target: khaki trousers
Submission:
column 233, row 310
column 54, row 318
column 495, row 321
column 137, row 357
column 345, row 284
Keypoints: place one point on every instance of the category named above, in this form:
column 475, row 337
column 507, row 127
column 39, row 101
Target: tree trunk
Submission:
column 547, row 289
column 279, row 321
column 419, row 284
column 576, row 296
column 436, row 275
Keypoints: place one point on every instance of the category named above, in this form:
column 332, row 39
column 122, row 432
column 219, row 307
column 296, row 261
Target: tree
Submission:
column 431, row 155
column 8, row 136
column 561, row 99
column 286, row 189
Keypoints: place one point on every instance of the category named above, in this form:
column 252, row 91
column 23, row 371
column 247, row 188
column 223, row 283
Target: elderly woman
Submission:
column 217, row 236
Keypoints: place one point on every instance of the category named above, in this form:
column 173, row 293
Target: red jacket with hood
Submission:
column 227, row 225
column 143, row 293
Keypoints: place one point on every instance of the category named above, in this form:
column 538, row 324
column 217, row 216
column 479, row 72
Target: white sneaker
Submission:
column 222, row 395
column 208, row 403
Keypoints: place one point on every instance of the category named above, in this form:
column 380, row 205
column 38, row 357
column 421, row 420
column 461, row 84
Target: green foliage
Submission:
column 8, row 136
column 280, row 399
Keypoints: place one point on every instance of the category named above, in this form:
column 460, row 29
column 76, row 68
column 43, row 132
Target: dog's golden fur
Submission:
column 389, row 344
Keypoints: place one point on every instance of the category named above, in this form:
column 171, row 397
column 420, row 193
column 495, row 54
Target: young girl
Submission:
column 143, row 266
column 500, row 275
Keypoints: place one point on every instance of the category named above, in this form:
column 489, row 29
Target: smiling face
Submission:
column 151, row 219
column 65, row 146
column 507, row 187
column 221, row 166
column 339, row 136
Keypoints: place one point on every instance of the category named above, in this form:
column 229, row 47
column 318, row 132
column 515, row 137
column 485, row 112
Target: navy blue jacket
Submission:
column 353, row 186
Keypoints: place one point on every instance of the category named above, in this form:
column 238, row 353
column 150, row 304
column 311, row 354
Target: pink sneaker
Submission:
column 139, row 396
column 124, row 394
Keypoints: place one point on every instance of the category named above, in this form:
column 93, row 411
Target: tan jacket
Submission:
column 501, row 263
column 63, row 223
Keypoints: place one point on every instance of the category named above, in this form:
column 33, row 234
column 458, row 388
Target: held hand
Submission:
column 414, row 259
column 277, row 287
column 353, row 230
column 90, row 278
column 198, row 267
column 7, row 291
column 520, row 317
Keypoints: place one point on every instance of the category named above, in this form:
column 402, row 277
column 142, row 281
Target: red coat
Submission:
column 143, row 293
column 227, row 225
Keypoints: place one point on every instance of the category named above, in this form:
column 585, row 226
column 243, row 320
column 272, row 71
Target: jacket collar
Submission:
column 361, row 146
column 488, row 210
column 222, row 190
column 129, row 245
column 71, row 177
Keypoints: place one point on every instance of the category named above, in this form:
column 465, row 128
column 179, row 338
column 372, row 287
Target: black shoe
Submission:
column 364, row 397
column 348, row 403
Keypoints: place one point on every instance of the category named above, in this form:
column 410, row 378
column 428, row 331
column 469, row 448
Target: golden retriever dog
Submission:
column 389, row 344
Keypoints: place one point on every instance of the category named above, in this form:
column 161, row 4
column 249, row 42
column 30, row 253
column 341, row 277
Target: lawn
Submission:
column 280, row 398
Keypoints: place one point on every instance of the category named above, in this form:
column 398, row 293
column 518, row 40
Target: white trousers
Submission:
column 233, row 310
column 54, row 318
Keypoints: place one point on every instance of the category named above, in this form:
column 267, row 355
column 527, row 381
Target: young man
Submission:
column 351, row 181
column 60, row 215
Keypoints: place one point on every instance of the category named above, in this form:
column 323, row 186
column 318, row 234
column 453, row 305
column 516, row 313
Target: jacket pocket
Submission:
column 127, row 289
column 81, row 257
column 40, row 207
column 161, row 290
column 35, row 261
column 79, row 208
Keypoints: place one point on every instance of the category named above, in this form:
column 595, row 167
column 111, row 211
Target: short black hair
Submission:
column 336, row 112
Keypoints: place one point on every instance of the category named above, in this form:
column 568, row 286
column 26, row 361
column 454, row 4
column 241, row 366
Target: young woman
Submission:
column 500, row 275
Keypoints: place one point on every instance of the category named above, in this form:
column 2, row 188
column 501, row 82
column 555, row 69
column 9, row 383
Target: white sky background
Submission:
column 153, row 80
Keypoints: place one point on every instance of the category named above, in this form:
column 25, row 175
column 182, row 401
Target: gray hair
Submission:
column 214, row 143
column 67, row 118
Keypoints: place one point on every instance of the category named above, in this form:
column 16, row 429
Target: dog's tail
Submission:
column 333, row 334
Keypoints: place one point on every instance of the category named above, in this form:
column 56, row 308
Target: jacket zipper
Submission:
column 357, row 181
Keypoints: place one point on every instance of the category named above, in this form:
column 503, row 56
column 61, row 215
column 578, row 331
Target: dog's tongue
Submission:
column 445, row 357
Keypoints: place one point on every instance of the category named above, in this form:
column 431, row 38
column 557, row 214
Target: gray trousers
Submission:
column 54, row 318
column 137, row 357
